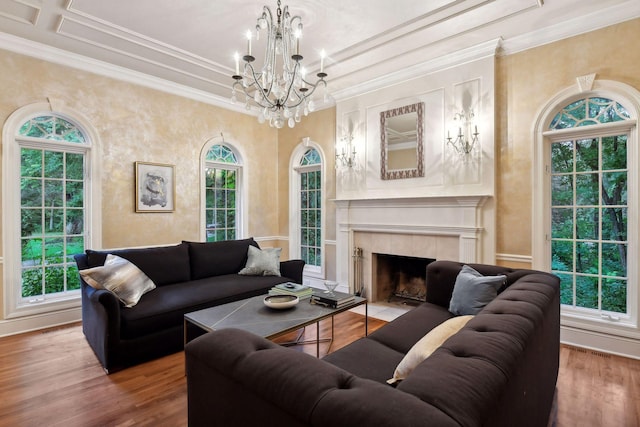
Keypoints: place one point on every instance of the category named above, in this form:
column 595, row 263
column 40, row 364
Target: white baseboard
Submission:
column 605, row 343
column 20, row 325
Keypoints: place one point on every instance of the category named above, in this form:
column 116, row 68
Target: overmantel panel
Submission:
column 445, row 93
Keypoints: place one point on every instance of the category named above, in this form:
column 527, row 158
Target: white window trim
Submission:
column 294, row 205
column 628, row 97
column 242, row 190
column 11, row 204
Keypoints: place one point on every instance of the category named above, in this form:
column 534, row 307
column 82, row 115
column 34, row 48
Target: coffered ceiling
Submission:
column 188, row 45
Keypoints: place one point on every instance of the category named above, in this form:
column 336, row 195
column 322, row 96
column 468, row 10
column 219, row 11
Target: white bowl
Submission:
column 280, row 302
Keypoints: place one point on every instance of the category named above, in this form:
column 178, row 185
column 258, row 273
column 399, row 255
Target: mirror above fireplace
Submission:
column 401, row 144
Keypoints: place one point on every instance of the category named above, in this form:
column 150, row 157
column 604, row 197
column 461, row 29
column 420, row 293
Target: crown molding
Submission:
column 603, row 18
column 62, row 57
column 473, row 53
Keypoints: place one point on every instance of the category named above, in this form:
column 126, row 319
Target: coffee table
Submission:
column 253, row 316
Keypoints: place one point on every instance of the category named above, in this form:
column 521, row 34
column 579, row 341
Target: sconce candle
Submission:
column 347, row 155
column 465, row 140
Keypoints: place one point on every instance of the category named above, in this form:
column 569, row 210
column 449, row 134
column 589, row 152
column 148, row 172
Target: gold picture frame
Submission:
column 155, row 187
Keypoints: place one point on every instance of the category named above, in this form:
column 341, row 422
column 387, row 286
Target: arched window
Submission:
column 307, row 208
column 48, row 163
column 586, row 194
column 311, row 208
column 589, row 207
column 222, row 183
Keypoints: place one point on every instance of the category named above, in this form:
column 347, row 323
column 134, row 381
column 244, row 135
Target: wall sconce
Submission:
column 465, row 140
column 346, row 153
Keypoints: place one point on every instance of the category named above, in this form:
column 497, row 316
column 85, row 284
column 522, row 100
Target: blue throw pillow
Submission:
column 472, row 291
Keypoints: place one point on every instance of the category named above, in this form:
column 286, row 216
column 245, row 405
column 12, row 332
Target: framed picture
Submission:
column 155, row 187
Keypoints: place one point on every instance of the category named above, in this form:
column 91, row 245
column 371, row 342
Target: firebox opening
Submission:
column 401, row 277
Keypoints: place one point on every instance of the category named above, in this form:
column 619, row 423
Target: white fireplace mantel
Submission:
column 443, row 226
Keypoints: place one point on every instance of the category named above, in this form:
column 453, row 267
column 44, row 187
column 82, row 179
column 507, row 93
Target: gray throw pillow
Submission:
column 472, row 291
column 262, row 262
column 121, row 277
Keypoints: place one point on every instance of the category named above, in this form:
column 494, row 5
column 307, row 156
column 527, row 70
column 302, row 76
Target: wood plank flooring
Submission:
column 52, row 378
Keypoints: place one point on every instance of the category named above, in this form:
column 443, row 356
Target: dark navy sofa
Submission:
column 189, row 276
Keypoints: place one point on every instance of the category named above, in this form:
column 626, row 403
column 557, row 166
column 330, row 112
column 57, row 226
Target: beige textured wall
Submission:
column 525, row 82
column 139, row 124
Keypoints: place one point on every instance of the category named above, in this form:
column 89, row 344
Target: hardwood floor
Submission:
column 52, row 378
column 597, row 389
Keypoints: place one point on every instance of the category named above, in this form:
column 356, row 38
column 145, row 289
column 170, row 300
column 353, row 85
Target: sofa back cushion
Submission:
column 164, row 265
column 217, row 258
column 441, row 278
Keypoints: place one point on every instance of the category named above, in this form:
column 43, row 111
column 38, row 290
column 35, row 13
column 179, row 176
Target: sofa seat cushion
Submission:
column 164, row 265
column 166, row 306
column 427, row 345
column 367, row 358
column 406, row 330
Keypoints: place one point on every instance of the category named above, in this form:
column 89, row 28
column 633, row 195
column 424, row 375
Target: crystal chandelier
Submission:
column 280, row 88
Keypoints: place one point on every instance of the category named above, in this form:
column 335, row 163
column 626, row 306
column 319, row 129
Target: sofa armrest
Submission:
column 230, row 370
column 292, row 269
column 100, row 316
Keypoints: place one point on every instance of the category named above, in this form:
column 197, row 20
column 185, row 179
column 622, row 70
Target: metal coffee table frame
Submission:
column 253, row 316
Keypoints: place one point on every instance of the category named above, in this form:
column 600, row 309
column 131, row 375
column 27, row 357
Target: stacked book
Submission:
column 290, row 288
column 334, row 299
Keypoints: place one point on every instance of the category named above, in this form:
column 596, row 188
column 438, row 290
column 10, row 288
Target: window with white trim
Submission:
column 590, row 204
column 53, row 153
column 222, row 181
column 310, row 208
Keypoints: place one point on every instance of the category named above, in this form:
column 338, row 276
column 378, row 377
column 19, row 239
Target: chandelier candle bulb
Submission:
column 236, row 56
column 322, row 55
column 249, row 36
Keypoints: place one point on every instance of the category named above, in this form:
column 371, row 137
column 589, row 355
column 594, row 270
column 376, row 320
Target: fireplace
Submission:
column 400, row 277
column 447, row 228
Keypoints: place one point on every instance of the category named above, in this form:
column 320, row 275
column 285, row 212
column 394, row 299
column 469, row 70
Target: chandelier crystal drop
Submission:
column 280, row 89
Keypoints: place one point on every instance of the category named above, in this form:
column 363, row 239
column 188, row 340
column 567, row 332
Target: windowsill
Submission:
column 44, row 307
column 622, row 328
column 313, row 271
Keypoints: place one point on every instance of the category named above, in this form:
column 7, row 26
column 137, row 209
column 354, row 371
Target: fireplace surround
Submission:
column 443, row 228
